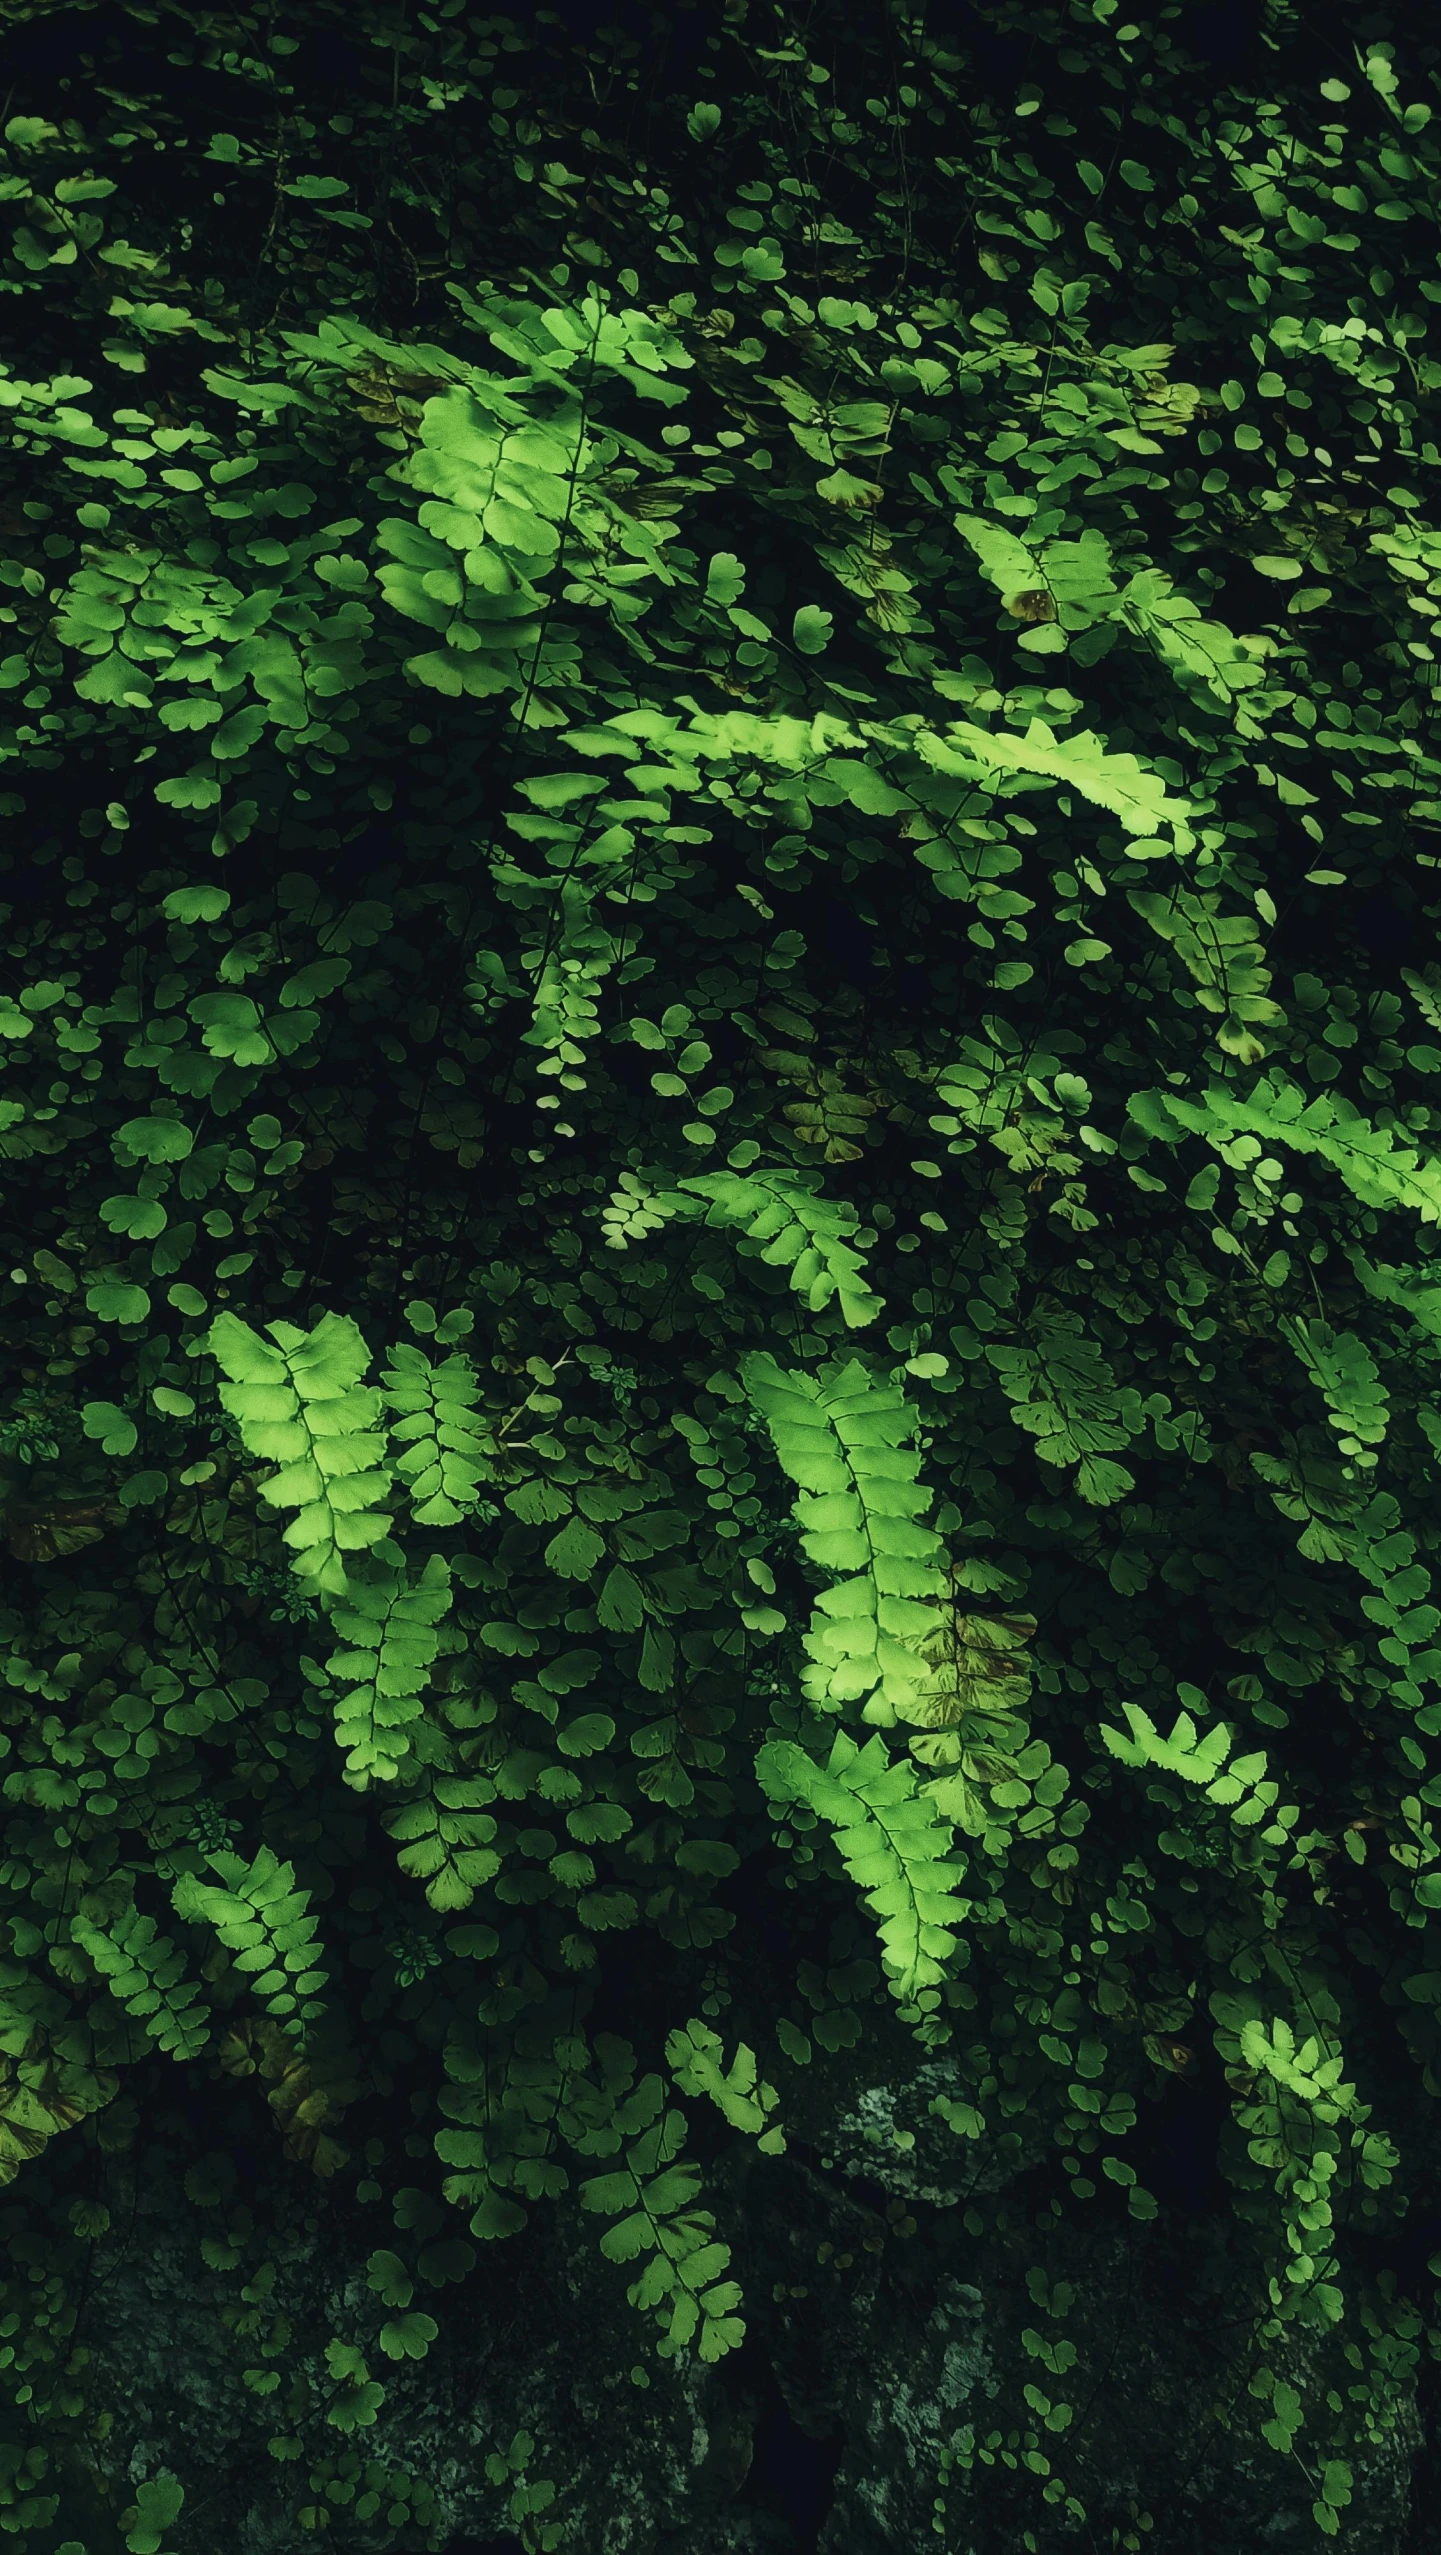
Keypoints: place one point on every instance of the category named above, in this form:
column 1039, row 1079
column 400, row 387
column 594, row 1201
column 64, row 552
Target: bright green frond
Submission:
column 895, row 1846
column 844, row 1439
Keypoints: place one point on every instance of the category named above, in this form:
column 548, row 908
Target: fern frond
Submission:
column 1198, row 1760
column 309, row 2089
column 301, row 1404
column 1378, row 1166
column 1062, row 586
column 695, row 2056
column 1346, row 1375
column 1424, row 986
column 632, row 1211
column 41, row 2095
column 1126, row 787
column 267, row 1925
column 391, row 1625
column 444, row 1833
column 976, row 1730
column 1242, row 1788
column 503, row 2097
column 1224, row 958
column 842, row 1438
column 437, row 1422
column 992, row 1078
column 828, row 1115
column 798, row 1228
column 892, row 1842
column 1011, row 565
column 1205, row 650
column 145, row 1971
column 652, row 2200
column 1063, row 1392
column 1312, row 2070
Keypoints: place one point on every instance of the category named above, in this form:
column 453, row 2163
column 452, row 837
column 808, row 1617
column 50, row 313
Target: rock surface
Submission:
column 884, row 2262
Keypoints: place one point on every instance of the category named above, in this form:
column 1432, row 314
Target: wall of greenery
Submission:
column 719, row 1354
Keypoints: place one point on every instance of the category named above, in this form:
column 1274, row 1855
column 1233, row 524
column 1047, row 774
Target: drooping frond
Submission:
column 843, row 1437
column 892, row 1841
column 301, row 1404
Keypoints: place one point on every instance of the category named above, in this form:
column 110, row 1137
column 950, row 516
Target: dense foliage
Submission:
column 721, row 1146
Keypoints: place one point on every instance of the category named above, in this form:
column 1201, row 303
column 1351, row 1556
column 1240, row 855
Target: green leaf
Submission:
column 237, row 734
column 560, row 789
column 408, row 2337
column 155, row 2506
column 356, row 2407
column 196, row 904
column 812, row 629
column 619, row 1606
column 139, row 1219
column 193, row 789
column 231, row 1027
column 586, row 1736
column 1011, row 566
column 386, row 2274
column 725, row 578
column 113, row 1427
column 111, row 1300
column 575, row 1551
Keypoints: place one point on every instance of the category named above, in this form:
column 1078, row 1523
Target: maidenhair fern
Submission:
column 794, row 1226
column 301, row 1404
column 506, row 2096
column 782, row 1215
column 695, row 2058
column 653, row 2201
column 446, row 1445
column 1206, row 652
column 445, row 1833
column 1345, row 1373
column 975, row 1736
column 1224, row 955
column 894, row 1844
column 394, row 854
column 842, row 1436
column 1242, row 1788
column 267, row 1925
column 42, row 2094
column 1374, row 1162
column 1063, row 1392
column 390, row 1624
column 147, row 1973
